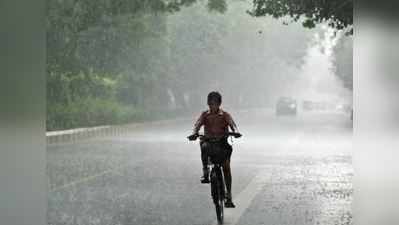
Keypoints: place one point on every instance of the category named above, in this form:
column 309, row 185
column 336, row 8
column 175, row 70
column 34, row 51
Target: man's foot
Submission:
column 204, row 180
column 229, row 204
column 205, row 176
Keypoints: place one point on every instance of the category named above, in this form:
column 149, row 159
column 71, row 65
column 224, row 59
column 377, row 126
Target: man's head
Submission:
column 214, row 101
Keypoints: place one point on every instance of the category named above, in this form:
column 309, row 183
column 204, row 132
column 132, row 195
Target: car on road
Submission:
column 352, row 114
column 286, row 106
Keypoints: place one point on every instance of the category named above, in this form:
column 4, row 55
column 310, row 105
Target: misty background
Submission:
column 115, row 62
column 143, row 68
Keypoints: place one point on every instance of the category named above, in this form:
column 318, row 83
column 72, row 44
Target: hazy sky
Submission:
column 257, row 57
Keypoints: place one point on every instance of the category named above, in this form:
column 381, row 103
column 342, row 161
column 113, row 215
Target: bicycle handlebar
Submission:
column 194, row 137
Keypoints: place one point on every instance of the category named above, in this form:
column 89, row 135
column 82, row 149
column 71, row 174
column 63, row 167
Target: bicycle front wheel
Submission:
column 220, row 208
column 218, row 195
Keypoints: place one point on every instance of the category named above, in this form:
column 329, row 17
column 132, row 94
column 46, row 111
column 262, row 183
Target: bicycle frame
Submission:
column 217, row 188
column 216, row 176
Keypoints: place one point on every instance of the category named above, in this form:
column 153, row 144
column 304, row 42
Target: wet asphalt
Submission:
column 286, row 170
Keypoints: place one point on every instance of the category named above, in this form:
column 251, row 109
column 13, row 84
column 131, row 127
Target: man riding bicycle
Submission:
column 216, row 124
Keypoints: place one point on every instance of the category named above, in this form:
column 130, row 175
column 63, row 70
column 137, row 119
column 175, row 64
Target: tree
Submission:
column 337, row 13
column 149, row 50
column 343, row 61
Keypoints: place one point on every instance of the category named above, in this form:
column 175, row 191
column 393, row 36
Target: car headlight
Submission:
column 292, row 106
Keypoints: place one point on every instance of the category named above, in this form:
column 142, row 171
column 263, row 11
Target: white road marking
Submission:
column 244, row 199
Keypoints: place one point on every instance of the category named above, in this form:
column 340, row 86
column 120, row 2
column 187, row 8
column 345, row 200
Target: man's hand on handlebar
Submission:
column 237, row 135
column 193, row 137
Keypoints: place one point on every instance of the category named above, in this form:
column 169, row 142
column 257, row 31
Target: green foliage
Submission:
column 338, row 13
column 87, row 112
column 79, row 100
column 343, row 61
column 217, row 5
column 90, row 99
column 96, row 34
column 119, row 61
column 66, row 88
column 109, row 60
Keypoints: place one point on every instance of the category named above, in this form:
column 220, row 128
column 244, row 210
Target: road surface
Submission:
column 286, row 170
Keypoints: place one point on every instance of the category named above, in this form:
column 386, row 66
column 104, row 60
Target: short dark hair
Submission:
column 216, row 96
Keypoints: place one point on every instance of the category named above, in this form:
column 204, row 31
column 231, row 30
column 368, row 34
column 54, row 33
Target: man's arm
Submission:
column 198, row 123
column 232, row 124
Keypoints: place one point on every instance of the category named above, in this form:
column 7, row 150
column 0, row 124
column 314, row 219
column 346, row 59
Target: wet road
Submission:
column 286, row 170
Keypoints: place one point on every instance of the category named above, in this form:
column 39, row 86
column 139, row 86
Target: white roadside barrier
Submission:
column 79, row 134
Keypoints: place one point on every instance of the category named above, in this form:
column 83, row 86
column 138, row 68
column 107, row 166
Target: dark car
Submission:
column 286, row 106
column 352, row 114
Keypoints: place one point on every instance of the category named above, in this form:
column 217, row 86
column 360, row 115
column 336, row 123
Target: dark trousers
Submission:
column 205, row 148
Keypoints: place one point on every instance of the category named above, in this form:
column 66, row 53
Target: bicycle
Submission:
column 216, row 157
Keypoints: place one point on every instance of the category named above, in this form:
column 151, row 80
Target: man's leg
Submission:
column 228, row 180
column 227, row 175
column 204, row 159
